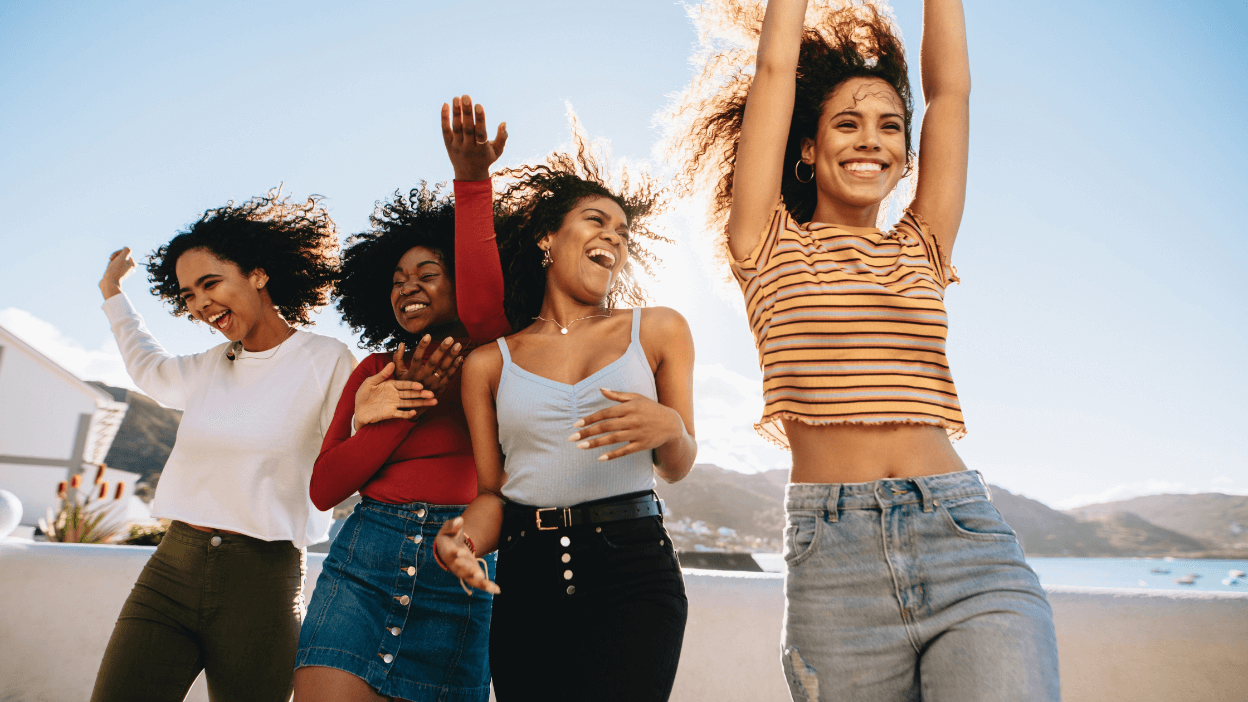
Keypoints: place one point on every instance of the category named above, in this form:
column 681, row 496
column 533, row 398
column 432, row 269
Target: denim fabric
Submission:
column 384, row 611
column 911, row 589
column 601, row 618
column 229, row 608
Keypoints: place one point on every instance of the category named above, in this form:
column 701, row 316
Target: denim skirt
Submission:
column 911, row 589
column 384, row 611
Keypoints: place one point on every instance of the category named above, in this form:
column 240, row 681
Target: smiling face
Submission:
column 422, row 293
column 218, row 293
column 859, row 152
column 589, row 250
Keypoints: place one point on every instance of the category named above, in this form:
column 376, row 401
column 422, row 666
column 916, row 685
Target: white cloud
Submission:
column 726, row 407
column 103, row 364
column 1141, row 488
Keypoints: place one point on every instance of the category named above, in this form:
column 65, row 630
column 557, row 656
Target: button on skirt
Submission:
column 385, row 612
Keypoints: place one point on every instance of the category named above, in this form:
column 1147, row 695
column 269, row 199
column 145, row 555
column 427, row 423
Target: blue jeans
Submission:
column 911, row 589
column 385, row 612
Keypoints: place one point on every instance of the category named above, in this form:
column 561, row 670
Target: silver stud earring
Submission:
column 546, row 259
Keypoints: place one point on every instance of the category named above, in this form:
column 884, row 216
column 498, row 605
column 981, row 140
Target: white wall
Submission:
column 39, row 406
column 1114, row 644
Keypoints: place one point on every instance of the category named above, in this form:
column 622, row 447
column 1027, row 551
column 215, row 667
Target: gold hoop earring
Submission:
column 546, row 258
column 798, row 175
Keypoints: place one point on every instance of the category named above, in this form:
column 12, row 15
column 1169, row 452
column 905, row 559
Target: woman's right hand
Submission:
column 120, row 265
column 467, row 141
column 434, row 372
column 457, row 556
column 380, row 398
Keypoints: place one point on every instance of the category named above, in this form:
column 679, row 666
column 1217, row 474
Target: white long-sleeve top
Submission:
column 251, row 428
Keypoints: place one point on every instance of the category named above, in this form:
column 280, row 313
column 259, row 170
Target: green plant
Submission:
column 84, row 520
column 146, row 534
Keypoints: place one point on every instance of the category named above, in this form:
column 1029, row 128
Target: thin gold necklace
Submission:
column 564, row 330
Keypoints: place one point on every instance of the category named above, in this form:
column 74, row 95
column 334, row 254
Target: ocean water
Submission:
column 1112, row 572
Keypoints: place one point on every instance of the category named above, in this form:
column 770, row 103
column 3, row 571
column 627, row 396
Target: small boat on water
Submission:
column 1230, row 581
column 1160, row 571
column 1189, row 579
column 1235, row 573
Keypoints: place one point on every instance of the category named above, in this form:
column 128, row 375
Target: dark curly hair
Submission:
column 852, row 39
column 535, row 203
column 296, row 244
column 424, row 217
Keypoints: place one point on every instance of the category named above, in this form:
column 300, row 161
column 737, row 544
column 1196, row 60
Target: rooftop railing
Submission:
column 58, row 603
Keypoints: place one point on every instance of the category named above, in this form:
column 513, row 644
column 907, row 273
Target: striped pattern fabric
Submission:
column 850, row 325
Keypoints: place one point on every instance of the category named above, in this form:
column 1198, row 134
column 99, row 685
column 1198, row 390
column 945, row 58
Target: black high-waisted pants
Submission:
column 589, row 612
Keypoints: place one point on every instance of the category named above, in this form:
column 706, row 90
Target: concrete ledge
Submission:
column 58, row 603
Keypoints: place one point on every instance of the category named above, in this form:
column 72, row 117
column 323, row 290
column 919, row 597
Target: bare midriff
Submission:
column 210, row 530
column 849, row 453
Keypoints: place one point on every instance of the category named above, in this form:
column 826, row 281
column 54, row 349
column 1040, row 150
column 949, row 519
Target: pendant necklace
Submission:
column 564, row 330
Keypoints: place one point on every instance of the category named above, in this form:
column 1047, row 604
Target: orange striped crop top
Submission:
column 850, row 325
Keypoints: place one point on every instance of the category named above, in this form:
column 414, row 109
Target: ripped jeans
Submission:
column 911, row 589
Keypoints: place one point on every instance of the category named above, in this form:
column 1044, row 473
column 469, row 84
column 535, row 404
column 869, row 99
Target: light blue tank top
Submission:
column 535, row 418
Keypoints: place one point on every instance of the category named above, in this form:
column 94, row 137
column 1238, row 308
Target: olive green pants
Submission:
column 225, row 604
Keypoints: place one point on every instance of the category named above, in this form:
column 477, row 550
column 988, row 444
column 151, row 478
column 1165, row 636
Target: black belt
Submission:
column 549, row 518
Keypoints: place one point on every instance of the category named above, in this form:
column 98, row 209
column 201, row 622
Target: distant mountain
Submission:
column 146, row 435
column 1043, row 531
column 751, row 504
column 1219, row 520
column 754, row 505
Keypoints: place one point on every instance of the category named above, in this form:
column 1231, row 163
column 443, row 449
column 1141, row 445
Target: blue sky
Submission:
column 1098, row 340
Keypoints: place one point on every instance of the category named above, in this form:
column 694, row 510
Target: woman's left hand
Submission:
column 641, row 422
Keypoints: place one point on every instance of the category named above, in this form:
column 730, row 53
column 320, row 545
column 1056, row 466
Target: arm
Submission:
column 765, row 126
column 478, row 271
column 347, row 462
column 674, row 380
column 666, row 426
column 157, row 372
column 483, row 519
column 945, row 140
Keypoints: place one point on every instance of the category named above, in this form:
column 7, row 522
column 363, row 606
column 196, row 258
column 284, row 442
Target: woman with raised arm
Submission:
column 903, row 582
column 385, row 622
column 572, row 417
column 223, row 593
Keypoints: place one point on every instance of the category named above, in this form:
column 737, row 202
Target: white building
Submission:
column 53, row 425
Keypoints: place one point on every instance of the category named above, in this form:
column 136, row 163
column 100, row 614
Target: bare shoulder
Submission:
column 665, row 336
column 663, row 321
column 484, row 362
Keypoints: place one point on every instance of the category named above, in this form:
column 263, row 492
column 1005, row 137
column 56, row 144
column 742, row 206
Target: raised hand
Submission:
column 458, row 557
column 467, row 140
column 120, row 265
column 380, row 398
column 641, row 422
column 431, row 373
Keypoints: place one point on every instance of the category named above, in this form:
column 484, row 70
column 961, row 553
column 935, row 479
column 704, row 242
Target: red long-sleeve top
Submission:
column 430, row 460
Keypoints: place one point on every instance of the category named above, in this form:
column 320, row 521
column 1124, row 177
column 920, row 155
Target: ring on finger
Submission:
column 437, row 374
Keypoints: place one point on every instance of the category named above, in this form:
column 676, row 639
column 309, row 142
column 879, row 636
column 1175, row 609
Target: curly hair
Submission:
column 295, row 243
column 424, row 217
column 849, row 39
column 535, row 203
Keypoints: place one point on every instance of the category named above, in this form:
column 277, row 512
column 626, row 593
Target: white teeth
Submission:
column 604, row 253
column 862, row 166
column 414, row 306
column 213, row 319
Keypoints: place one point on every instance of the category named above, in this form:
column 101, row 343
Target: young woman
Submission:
column 224, row 591
column 385, row 622
column 571, row 419
column 903, row 582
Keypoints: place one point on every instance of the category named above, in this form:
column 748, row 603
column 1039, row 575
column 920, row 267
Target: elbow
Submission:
column 320, row 494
